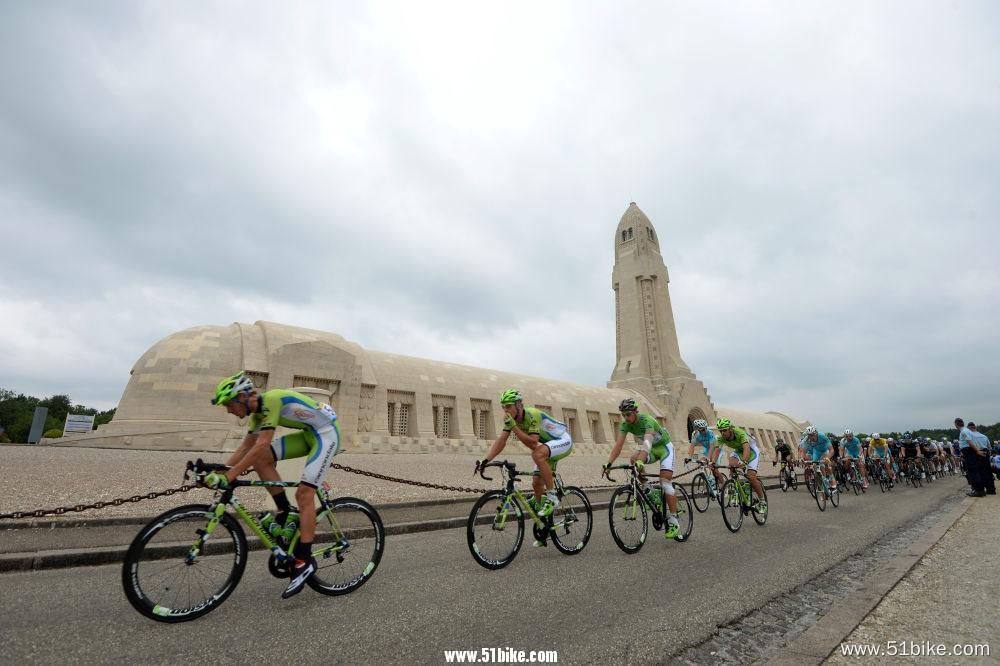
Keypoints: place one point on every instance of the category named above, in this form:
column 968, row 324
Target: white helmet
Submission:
column 875, row 435
column 847, row 432
column 811, row 430
column 700, row 423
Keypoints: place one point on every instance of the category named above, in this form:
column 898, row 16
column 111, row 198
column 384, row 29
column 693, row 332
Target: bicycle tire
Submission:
column 820, row 498
column 627, row 519
column 835, row 495
column 761, row 518
column 685, row 514
column 855, row 482
column 572, row 521
column 732, row 508
column 783, row 480
column 811, row 482
column 700, row 494
column 492, row 542
column 165, row 582
column 352, row 539
column 794, row 480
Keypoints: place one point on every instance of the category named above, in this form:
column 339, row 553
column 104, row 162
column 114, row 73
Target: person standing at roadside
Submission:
column 983, row 445
column 971, row 460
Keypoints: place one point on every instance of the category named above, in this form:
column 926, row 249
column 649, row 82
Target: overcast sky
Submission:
column 444, row 180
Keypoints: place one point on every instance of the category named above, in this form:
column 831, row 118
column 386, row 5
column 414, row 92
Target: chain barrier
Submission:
column 58, row 511
column 38, row 513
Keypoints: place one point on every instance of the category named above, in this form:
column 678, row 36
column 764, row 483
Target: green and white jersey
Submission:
column 644, row 424
column 736, row 443
column 281, row 407
column 537, row 422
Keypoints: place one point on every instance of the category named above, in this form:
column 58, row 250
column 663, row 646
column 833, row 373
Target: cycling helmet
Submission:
column 848, row 433
column 810, row 430
column 875, row 435
column 231, row 387
column 906, row 435
column 628, row 405
column 700, row 423
column 780, row 441
column 890, row 440
column 510, row 396
column 723, row 424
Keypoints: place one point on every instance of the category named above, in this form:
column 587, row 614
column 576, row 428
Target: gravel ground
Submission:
column 949, row 597
column 46, row 477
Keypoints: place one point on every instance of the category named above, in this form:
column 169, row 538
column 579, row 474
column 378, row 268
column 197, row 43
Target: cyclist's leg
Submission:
column 665, row 454
column 546, row 456
column 752, row 465
column 322, row 446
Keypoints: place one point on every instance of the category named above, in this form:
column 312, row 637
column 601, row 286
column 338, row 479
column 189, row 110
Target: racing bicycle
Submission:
column 738, row 500
column 188, row 560
column 495, row 529
column 630, row 502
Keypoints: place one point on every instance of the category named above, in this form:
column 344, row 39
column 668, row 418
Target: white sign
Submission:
column 77, row 424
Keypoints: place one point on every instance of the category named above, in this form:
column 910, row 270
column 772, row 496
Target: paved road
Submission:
column 429, row 596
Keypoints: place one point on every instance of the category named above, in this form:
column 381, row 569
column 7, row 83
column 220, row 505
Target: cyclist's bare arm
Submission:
column 498, row 445
column 616, row 451
column 242, row 459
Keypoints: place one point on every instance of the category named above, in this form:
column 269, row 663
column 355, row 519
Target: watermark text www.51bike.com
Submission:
column 501, row 656
column 914, row 649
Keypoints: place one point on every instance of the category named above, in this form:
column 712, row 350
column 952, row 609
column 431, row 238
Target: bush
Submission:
column 55, row 433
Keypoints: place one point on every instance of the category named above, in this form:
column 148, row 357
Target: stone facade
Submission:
column 389, row 403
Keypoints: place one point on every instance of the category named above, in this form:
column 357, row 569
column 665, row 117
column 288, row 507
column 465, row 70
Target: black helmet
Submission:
column 628, row 405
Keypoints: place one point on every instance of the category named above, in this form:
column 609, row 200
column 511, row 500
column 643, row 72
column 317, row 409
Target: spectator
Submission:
column 970, row 460
column 982, row 442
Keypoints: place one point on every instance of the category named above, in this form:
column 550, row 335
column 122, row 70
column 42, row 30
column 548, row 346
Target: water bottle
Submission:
column 291, row 524
column 266, row 520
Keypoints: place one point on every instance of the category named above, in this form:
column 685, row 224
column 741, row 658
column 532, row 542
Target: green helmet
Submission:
column 231, row 387
column 510, row 396
column 723, row 424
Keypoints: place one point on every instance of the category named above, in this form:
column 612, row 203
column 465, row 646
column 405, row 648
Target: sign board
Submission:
column 78, row 424
column 37, row 425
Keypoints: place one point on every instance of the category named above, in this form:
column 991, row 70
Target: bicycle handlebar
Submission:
column 511, row 467
column 200, row 468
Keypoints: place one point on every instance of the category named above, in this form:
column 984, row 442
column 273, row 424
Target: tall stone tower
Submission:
column 648, row 356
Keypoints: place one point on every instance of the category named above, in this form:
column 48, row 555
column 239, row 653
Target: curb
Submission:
column 815, row 644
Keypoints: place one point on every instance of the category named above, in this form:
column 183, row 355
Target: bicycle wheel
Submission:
column 811, row 482
column 685, row 514
column 820, row 496
column 794, row 479
column 173, row 572
column 572, row 521
column 352, row 539
column 783, row 480
column 495, row 529
column 834, row 494
column 732, row 510
column 700, row 493
column 627, row 519
column 855, row 478
column 760, row 518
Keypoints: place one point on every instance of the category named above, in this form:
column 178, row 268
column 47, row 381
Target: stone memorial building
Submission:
column 387, row 402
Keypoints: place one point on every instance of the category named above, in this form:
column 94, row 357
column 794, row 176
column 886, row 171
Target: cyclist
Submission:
column 743, row 453
column 928, row 449
column 816, row 447
column 909, row 449
column 316, row 436
column 880, row 449
column 654, row 445
column 706, row 438
column 548, row 440
column 850, row 447
column 783, row 452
